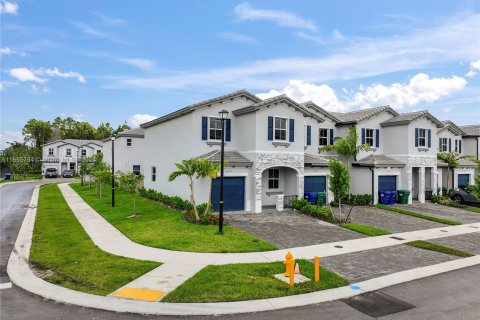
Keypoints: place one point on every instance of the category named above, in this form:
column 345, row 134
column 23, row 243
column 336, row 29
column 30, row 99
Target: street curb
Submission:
column 15, row 182
column 19, row 272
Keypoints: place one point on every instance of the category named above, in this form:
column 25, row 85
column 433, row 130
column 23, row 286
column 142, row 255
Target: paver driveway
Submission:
column 289, row 229
column 437, row 210
column 466, row 242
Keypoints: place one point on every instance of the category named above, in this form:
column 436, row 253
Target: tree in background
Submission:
column 339, row 181
column 121, row 128
column 86, row 168
column 130, row 182
column 20, row 158
column 189, row 168
column 37, row 132
column 101, row 172
column 104, row 130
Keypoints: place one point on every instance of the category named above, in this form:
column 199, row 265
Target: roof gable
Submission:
column 452, row 127
column 407, row 118
column 472, row 130
column 312, row 105
column 354, row 117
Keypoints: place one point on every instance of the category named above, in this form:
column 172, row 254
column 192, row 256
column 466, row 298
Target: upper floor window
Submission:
column 154, row 173
column 443, row 144
column 50, row 151
column 323, row 137
column 215, row 129
column 280, row 129
column 129, row 142
column 273, row 178
column 136, row 169
column 69, row 152
column 422, row 137
column 72, row 165
column 369, row 138
column 99, row 151
column 84, row 152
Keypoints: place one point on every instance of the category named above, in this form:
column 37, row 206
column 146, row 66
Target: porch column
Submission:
column 258, row 194
column 410, row 183
column 434, row 180
column 421, row 187
column 300, row 180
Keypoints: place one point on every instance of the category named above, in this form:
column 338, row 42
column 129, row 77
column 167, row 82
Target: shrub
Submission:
column 436, row 198
column 305, row 207
column 173, row 202
column 205, row 218
column 357, row 199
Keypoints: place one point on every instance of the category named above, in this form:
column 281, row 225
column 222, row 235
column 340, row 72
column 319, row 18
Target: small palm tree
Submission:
column 347, row 147
column 451, row 159
column 207, row 169
column 189, row 168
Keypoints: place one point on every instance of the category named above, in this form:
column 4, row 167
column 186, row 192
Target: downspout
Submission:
column 373, row 184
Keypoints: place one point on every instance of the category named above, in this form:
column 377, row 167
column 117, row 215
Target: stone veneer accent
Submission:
column 265, row 160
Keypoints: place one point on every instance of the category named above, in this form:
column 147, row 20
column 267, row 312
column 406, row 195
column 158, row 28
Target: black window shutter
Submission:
column 309, row 135
column 270, row 128
column 459, row 146
column 377, row 140
column 228, row 129
column 429, row 138
column 449, row 144
column 440, row 144
column 291, row 128
column 363, row 135
column 204, row 128
column 416, row 137
column 331, row 136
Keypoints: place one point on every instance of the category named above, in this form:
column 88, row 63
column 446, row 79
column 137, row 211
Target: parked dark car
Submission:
column 51, row 173
column 68, row 173
column 465, row 196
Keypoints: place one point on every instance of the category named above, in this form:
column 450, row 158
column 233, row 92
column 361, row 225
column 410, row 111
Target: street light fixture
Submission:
column 113, row 171
column 374, row 162
column 223, row 116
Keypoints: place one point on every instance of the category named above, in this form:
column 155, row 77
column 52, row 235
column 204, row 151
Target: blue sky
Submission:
column 116, row 61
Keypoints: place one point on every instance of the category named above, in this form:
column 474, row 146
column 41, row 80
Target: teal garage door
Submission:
column 387, row 183
column 233, row 194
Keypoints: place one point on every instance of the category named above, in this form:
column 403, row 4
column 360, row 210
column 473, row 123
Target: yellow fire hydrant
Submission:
column 289, row 267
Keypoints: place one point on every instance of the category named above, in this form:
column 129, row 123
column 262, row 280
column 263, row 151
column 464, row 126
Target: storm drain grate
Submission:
column 3, row 272
column 473, row 227
column 377, row 304
column 397, row 238
column 337, row 246
column 443, row 230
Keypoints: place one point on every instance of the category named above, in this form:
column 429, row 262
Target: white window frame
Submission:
column 420, row 130
column 280, row 129
column 129, row 142
column 274, row 177
column 320, row 137
column 154, row 174
column 444, row 145
column 68, row 152
column 50, row 151
column 370, row 138
column 217, row 130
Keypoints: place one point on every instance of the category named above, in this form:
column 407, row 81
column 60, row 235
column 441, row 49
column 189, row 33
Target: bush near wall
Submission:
column 305, row 207
column 357, row 199
column 437, row 198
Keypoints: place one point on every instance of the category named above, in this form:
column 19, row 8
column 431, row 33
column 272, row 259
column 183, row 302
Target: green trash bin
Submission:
column 321, row 198
column 403, row 196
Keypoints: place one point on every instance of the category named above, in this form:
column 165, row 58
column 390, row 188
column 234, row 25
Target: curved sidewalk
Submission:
column 111, row 240
column 20, row 273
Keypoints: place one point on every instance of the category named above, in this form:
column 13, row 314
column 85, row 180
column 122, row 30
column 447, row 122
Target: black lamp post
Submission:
column 223, row 116
column 82, row 163
column 113, row 171
column 374, row 162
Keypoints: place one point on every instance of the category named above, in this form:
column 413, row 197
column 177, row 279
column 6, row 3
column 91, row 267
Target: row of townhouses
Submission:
column 64, row 154
column 272, row 148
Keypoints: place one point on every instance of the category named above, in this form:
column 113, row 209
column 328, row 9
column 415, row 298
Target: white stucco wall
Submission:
column 126, row 157
column 471, row 146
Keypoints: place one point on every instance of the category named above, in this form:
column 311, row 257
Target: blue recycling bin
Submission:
column 393, row 197
column 8, row 176
column 382, row 197
column 388, row 195
column 311, row 197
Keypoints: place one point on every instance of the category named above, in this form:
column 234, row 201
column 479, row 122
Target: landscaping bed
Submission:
column 62, row 253
column 249, row 281
column 365, row 229
column 161, row 227
column 417, row 215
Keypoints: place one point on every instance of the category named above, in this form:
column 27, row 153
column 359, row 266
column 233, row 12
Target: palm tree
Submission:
column 347, row 147
column 207, row 169
column 451, row 159
column 189, row 168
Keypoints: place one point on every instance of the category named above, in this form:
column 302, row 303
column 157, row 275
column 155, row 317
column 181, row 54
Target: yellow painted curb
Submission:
column 139, row 294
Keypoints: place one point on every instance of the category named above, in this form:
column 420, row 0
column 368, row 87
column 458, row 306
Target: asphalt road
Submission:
column 452, row 295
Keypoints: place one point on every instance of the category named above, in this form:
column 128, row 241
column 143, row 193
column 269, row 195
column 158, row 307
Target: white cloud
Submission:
column 24, row 74
column 301, row 91
column 56, row 73
column 143, row 64
column 110, row 20
column 237, row 37
column 474, row 68
column 448, row 109
column 89, row 30
column 7, row 7
column 137, row 119
column 9, row 136
column 421, row 88
column 283, row 18
column 354, row 59
column 7, row 51
column 5, row 84
column 36, row 89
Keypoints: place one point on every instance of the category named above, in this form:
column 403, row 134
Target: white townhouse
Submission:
column 267, row 149
column 129, row 151
column 471, row 140
column 65, row 154
column 451, row 139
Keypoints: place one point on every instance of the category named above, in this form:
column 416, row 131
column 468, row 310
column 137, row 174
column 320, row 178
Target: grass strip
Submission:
column 435, row 247
column 472, row 209
column 161, row 227
column 418, row 215
column 63, row 253
column 248, row 281
column 365, row 229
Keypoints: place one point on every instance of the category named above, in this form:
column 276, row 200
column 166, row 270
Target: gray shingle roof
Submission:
column 76, row 142
column 135, row 132
column 233, row 158
column 472, row 130
column 317, row 108
column 193, row 107
column 359, row 115
column 381, row 161
column 275, row 100
column 315, row 161
column 449, row 125
column 406, row 118
column 464, row 163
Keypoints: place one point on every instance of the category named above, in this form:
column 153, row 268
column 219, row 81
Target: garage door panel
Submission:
column 463, row 180
column 233, row 194
column 315, row 184
column 387, row 183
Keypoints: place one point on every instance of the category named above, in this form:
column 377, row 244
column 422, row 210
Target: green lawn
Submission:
column 64, row 254
column 161, row 227
column 22, row 178
column 417, row 215
column 248, row 281
column 435, row 247
column 362, row 228
column 472, row 209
